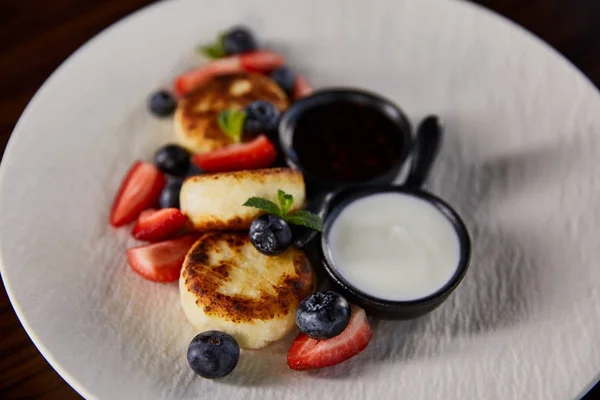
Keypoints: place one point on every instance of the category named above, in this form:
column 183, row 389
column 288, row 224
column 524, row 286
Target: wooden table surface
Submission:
column 36, row 36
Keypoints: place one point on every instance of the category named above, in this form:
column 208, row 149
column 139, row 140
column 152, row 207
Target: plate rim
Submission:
column 47, row 353
column 44, row 351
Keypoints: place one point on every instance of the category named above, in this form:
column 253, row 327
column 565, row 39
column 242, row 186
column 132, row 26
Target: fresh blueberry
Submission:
column 285, row 78
column 169, row 197
column 193, row 171
column 213, row 354
column 261, row 116
column 172, row 159
column 239, row 40
column 323, row 315
column 270, row 234
column 162, row 104
column 172, row 179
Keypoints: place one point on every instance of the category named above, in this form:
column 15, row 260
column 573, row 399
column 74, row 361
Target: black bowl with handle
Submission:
column 329, row 204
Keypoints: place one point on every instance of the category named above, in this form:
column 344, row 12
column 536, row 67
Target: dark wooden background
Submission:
column 37, row 35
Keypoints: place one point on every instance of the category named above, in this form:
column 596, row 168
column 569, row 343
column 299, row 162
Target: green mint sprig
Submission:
column 298, row 217
column 214, row 50
column 231, row 122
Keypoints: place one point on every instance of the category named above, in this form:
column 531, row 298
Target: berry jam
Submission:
column 347, row 142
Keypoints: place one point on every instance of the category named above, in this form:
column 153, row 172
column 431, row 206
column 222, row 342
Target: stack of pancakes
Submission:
column 225, row 283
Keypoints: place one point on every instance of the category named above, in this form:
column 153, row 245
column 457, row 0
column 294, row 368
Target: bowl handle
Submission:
column 319, row 205
column 425, row 150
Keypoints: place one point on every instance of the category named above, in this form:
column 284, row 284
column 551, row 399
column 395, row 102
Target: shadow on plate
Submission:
column 264, row 367
column 503, row 285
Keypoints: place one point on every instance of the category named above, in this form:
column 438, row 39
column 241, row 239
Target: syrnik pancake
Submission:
column 196, row 117
column 227, row 285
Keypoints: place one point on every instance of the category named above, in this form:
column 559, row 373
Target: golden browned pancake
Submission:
column 215, row 201
column 196, row 124
column 227, row 285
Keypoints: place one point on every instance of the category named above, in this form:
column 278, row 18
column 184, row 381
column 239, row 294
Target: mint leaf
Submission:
column 285, row 201
column 305, row 218
column 299, row 217
column 214, row 50
column 231, row 122
column 264, row 205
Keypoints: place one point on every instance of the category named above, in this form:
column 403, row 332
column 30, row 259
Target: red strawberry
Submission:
column 307, row 353
column 193, row 78
column 162, row 261
column 259, row 153
column 261, row 61
column 139, row 190
column 301, row 88
column 156, row 225
column 256, row 61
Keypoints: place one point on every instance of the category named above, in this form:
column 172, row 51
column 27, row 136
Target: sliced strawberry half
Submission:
column 139, row 190
column 301, row 88
column 256, row 61
column 162, row 261
column 261, row 61
column 259, row 153
column 193, row 78
column 307, row 353
column 156, row 225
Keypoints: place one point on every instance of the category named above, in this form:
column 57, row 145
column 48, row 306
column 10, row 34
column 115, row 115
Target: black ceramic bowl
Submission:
column 381, row 307
column 288, row 122
column 423, row 153
column 328, row 197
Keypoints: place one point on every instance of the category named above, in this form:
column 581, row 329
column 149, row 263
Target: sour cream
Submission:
column 394, row 246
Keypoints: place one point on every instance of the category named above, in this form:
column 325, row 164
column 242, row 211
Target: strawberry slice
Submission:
column 256, row 61
column 301, row 88
column 156, row 225
column 307, row 353
column 139, row 190
column 261, row 61
column 162, row 261
column 193, row 78
column 259, row 153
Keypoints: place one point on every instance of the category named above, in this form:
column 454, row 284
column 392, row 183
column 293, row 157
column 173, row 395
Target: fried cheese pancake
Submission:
column 196, row 125
column 227, row 285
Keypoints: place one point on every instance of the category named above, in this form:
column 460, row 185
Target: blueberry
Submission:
column 239, row 40
column 323, row 315
column 193, row 170
column 261, row 116
column 172, row 159
column 169, row 197
column 285, row 78
column 172, row 179
column 162, row 104
column 213, row 354
column 270, row 234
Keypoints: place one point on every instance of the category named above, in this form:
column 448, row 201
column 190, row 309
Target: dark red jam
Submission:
column 347, row 142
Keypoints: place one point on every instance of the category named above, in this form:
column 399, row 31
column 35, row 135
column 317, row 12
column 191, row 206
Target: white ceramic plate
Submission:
column 520, row 162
